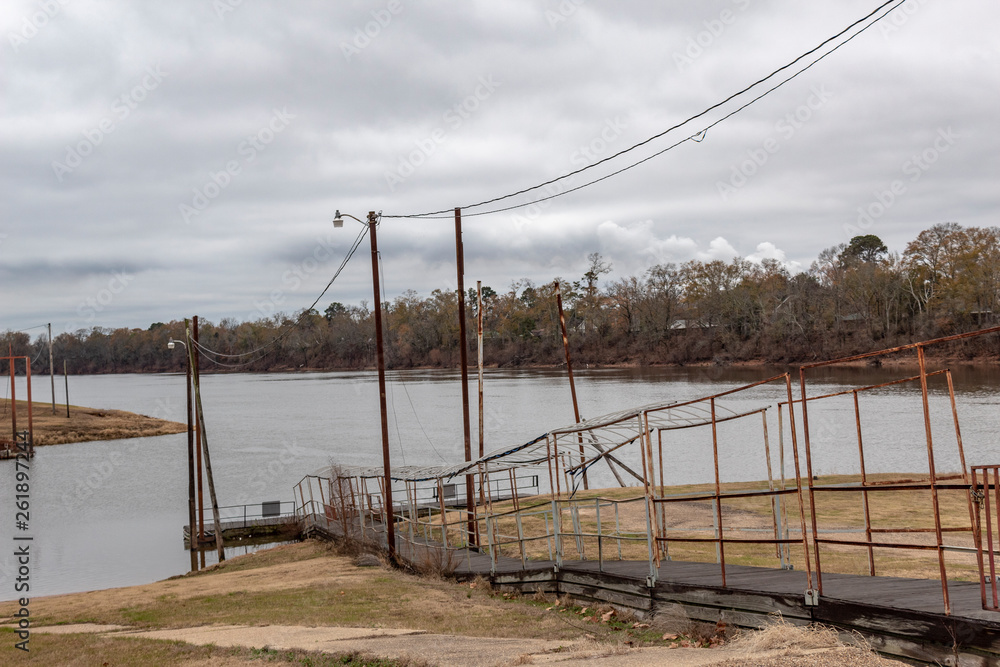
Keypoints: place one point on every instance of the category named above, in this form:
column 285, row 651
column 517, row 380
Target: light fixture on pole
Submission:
column 390, row 521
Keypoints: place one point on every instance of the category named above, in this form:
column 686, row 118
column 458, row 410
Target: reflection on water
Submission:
column 111, row 513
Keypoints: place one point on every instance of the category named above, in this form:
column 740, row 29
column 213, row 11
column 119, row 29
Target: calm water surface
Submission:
column 107, row 514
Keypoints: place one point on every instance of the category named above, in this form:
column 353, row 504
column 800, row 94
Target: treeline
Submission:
column 855, row 297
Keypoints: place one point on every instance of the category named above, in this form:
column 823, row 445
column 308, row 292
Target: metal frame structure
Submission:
column 21, row 441
column 565, row 523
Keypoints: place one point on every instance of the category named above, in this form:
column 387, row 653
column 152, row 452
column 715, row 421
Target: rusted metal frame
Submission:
column 989, row 535
column 986, row 493
column 718, row 495
column 614, row 449
column 870, row 387
column 646, row 474
column 909, row 346
column 890, row 486
column 516, row 503
column 444, row 513
column 31, row 427
column 921, row 360
column 312, row 505
column 665, row 552
column 463, row 349
column 718, row 420
column 798, row 477
column 651, row 487
column 770, row 483
column 728, row 495
column 550, row 460
column 864, row 482
column 734, row 540
column 489, row 505
column 781, row 466
column 889, row 545
column 944, row 529
column 965, row 470
column 13, row 397
column 809, row 475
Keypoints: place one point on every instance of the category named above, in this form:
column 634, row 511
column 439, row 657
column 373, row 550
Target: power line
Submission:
column 288, row 328
column 694, row 137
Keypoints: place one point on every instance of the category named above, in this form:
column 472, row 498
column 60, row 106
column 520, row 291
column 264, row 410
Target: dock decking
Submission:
column 899, row 616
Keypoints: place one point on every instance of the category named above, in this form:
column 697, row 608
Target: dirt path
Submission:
column 456, row 651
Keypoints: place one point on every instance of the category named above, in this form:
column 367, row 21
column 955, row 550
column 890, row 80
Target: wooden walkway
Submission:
column 900, row 617
column 240, row 528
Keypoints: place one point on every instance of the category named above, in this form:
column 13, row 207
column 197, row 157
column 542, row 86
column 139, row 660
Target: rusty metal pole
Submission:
column 192, row 362
column 200, row 415
column 52, row 375
column 479, row 350
column 921, row 360
column 572, row 384
column 13, row 397
column 31, row 429
column 66, row 380
column 464, row 361
column 390, row 521
column 190, row 460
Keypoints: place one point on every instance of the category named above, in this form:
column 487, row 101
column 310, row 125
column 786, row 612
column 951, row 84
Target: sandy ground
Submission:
column 325, row 569
column 456, row 651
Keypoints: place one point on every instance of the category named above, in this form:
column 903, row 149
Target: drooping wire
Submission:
column 288, row 328
column 392, row 398
column 695, row 137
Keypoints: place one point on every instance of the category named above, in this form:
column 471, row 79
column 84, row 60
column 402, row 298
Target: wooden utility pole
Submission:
column 52, row 375
column 390, row 521
column 200, row 413
column 464, row 361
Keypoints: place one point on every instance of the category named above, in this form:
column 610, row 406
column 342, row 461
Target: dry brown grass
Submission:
column 83, row 424
column 840, row 515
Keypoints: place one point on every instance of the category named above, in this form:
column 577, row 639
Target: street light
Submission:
column 338, row 221
column 191, row 463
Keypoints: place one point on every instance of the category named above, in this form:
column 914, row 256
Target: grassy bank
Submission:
column 83, row 424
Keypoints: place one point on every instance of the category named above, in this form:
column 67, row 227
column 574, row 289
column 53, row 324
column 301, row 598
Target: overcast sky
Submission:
column 161, row 160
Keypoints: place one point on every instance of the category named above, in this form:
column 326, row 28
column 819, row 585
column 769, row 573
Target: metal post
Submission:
column 380, row 356
column 13, row 396
column 190, row 461
column 479, row 349
column 464, row 361
column 572, row 384
column 197, row 439
column 200, row 413
column 52, row 375
column 66, row 380
column 933, row 474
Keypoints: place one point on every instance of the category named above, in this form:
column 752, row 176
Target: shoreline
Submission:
column 84, row 424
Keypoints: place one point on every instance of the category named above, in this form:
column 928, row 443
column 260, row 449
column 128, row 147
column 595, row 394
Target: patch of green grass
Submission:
column 88, row 649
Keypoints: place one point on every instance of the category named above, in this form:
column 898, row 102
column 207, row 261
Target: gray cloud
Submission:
column 373, row 90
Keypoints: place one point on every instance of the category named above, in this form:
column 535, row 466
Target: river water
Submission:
column 107, row 514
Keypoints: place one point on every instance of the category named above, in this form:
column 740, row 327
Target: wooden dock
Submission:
column 233, row 529
column 899, row 616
